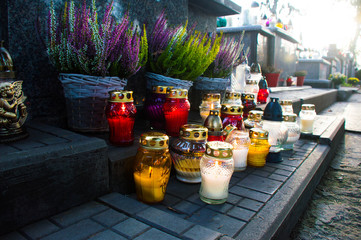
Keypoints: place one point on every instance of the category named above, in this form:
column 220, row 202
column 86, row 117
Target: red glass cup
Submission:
column 217, row 137
column 176, row 109
column 231, row 114
column 262, row 96
column 248, row 103
column 120, row 112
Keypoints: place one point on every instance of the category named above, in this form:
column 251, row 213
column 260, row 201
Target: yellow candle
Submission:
column 151, row 184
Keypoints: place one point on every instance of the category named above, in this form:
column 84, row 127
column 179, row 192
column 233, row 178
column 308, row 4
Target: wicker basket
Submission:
column 86, row 98
column 207, row 85
column 154, row 79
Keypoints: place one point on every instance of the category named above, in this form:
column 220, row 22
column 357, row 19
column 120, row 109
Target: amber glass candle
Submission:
column 120, row 112
column 152, row 167
column 176, row 109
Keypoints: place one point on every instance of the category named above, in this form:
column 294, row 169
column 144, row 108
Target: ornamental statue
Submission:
column 12, row 111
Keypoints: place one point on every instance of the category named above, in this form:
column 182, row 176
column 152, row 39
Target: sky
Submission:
column 321, row 22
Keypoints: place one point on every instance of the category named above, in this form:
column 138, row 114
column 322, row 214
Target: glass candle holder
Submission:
column 210, row 101
column 259, row 147
column 232, row 114
column 263, row 92
column 307, row 116
column 252, row 87
column 187, row 151
column 152, row 167
column 248, row 102
column 153, row 106
column 176, row 109
column 216, row 168
column 254, row 119
column 240, row 141
column 293, row 130
column 286, row 106
column 120, row 112
column 214, row 125
column 232, row 98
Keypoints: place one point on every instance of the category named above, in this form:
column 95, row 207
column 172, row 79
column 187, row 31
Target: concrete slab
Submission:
column 353, row 117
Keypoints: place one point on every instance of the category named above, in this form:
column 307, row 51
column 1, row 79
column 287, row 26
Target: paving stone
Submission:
column 109, row 218
column 194, row 198
column 268, row 168
column 201, row 233
column 131, row 227
column 46, row 138
column 222, row 208
column 155, row 234
column 186, row 207
column 278, row 177
column 283, row 172
column 40, row 229
column 170, row 200
column 217, row 221
column 226, row 238
column 180, row 189
column 27, row 144
column 7, row 150
column 123, row 203
column 261, row 173
column 233, row 199
column 249, row 193
column 260, row 184
column 283, row 167
column 240, row 175
column 77, row 231
column 293, row 162
column 12, row 236
column 107, row 235
column 78, row 213
column 234, row 180
column 241, row 213
column 171, row 210
column 250, row 204
column 163, row 220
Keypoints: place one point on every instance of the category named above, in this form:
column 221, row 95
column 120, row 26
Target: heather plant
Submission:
column 178, row 53
column 229, row 56
column 79, row 43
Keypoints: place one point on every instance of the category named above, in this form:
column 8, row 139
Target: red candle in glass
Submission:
column 154, row 106
column 120, row 112
column 215, row 128
column 248, row 103
column 232, row 114
column 263, row 92
column 176, row 109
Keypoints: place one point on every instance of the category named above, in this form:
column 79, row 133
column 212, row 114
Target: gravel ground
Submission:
column 335, row 209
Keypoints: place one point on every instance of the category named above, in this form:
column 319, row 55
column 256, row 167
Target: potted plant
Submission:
column 337, row 79
column 300, row 77
column 271, row 74
column 93, row 56
column 289, row 81
column 353, row 81
column 178, row 56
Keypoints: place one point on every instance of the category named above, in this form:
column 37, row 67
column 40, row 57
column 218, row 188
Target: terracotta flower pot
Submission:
column 272, row 79
column 300, row 80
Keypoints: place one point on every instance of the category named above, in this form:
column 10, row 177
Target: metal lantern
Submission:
column 152, row 167
column 210, row 101
column 187, row 151
column 215, row 126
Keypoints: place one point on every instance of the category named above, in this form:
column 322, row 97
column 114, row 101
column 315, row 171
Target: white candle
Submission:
column 307, row 125
column 240, row 159
column 215, row 183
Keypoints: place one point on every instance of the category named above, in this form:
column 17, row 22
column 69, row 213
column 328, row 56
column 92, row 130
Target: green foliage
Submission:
column 337, row 78
column 353, row 81
column 270, row 69
column 300, row 73
column 186, row 56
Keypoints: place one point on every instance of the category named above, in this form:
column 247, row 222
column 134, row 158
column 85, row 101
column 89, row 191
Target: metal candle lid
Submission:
column 120, row 96
column 247, row 96
column 251, row 82
column 219, row 149
column 308, row 107
column 255, row 115
column 154, row 140
column 285, row 102
column 177, row 93
column 233, row 95
column 232, row 109
column 213, row 122
column 258, row 133
column 193, row 132
column 211, row 97
column 289, row 117
column 162, row 89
